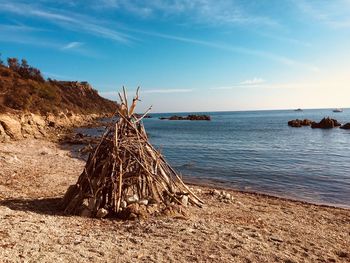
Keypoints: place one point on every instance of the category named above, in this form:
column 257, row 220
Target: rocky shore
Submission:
column 325, row 123
column 29, row 125
column 187, row 118
column 243, row 227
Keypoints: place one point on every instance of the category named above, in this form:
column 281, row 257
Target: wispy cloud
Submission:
column 167, row 91
column 68, row 21
column 76, row 22
column 237, row 49
column 285, row 39
column 18, row 28
column 335, row 13
column 253, row 81
column 213, row 12
column 114, row 94
column 72, row 45
column 281, row 85
column 249, row 83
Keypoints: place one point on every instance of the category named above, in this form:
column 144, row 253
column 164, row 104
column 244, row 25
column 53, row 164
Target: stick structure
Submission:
column 124, row 169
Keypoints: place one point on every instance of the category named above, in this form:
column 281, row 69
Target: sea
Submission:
column 256, row 151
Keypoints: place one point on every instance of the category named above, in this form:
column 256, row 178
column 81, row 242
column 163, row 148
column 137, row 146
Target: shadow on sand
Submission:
column 45, row 206
column 53, row 205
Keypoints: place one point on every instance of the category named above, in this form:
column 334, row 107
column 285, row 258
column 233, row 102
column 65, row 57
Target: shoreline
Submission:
column 70, row 138
column 262, row 194
column 247, row 227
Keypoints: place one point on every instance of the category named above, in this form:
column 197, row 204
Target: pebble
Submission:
column 101, row 213
column 143, row 202
column 132, row 199
column 215, row 192
column 198, row 190
column 227, row 196
column 184, row 200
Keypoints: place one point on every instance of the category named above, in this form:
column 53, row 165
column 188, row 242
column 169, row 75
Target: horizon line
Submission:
column 214, row 111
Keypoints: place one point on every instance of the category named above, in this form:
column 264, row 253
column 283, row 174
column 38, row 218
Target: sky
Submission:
column 190, row 55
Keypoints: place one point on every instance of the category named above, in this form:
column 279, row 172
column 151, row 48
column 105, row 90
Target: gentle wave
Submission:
column 257, row 151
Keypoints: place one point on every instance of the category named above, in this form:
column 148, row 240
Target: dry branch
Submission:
column 125, row 171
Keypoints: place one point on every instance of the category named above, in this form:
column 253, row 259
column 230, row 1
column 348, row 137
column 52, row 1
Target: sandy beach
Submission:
column 35, row 174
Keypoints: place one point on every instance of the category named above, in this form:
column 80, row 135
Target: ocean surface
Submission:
column 257, row 151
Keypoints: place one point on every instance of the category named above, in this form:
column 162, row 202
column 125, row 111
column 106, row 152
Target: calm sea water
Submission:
column 257, row 151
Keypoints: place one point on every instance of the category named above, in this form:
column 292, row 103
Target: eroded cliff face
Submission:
column 29, row 125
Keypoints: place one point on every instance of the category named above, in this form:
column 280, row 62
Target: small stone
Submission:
column 184, row 200
column 132, row 199
column 132, row 216
column 77, row 242
column 101, row 213
column 143, row 202
column 199, row 191
column 215, row 192
column 123, row 204
column 227, row 196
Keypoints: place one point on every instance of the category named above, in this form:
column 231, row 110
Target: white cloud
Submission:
column 114, row 94
column 76, row 22
column 237, row 49
column 335, row 13
column 68, row 21
column 285, row 39
column 72, row 45
column 221, row 12
column 167, row 91
column 253, row 81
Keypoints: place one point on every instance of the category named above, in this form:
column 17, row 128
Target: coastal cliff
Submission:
column 31, row 106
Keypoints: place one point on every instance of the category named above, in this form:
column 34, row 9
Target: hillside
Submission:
column 23, row 89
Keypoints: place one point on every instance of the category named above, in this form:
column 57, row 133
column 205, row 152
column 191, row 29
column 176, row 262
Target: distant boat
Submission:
column 338, row 110
column 298, row 109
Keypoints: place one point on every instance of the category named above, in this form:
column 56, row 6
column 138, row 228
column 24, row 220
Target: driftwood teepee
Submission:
column 124, row 169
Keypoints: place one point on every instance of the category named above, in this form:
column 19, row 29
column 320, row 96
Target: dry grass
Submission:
column 21, row 94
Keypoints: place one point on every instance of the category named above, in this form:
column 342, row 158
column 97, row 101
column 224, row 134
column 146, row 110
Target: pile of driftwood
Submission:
column 125, row 173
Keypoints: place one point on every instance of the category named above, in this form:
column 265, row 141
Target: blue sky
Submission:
column 199, row 55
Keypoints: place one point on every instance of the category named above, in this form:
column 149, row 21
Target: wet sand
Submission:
column 34, row 175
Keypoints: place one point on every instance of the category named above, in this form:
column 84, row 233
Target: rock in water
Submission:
column 188, row 118
column 346, row 126
column 326, row 123
column 299, row 123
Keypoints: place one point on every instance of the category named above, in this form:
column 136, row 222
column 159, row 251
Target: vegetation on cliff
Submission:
column 23, row 88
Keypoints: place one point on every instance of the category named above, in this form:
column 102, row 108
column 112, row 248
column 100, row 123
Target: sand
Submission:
column 34, row 175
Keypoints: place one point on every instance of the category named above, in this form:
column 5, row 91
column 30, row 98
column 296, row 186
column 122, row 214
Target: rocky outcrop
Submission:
column 187, row 118
column 29, row 125
column 299, row 123
column 326, row 123
column 346, row 126
column 10, row 128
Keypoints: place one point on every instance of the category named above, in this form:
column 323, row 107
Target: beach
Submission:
column 249, row 227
